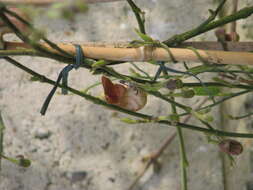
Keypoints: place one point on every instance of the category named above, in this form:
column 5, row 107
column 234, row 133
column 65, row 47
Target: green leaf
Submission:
column 216, row 79
column 134, row 73
column 144, row 37
column 99, row 63
column 187, row 93
column 128, row 120
column 34, row 78
column 174, row 117
column 199, row 69
column 204, row 111
column 204, row 117
column 152, row 87
column 133, row 121
column 24, row 162
column 207, row 91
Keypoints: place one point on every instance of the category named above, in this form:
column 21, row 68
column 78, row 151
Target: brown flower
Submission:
column 125, row 96
column 231, row 147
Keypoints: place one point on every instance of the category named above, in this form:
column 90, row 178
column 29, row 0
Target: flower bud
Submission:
column 22, row 161
column 233, row 36
column 173, row 84
column 220, row 33
column 187, row 93
column 231, row 147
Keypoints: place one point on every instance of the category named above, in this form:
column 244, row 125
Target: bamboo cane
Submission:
column 148, row 53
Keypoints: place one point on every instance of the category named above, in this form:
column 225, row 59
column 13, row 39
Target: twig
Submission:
column 240, row 117
column 139, row 14
column 183, row 158
column 30, row 26
column 216, row 84
column 212, row 16
column 2, row 127
column 220, row 101
column 141, row 70
column 177, row 39
column 24, row 38
column 117, row 108
column 154, row 157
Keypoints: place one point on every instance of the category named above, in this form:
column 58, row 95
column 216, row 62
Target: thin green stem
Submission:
column 24, row 38
column 141, row 70
column 2, row 127
column 183, row 159
column 50, row 43
column 213, row 14
column 241, row 117
column 139, row 14
column 217, row 84
column 171, row 101
column 92, row 86
column 117, row 108
column 179, row 38
column 220, row 101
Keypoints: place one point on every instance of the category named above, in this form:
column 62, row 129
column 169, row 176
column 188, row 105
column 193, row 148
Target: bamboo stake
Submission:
column 47, row 2
column 149, row 53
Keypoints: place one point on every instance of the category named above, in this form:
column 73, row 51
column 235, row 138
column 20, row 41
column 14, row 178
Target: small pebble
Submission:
column 76, row 176
column 111, row 179
column 42, row 133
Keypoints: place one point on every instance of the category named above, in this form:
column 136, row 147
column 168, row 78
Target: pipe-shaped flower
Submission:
column 231, row 147
column 125, row 96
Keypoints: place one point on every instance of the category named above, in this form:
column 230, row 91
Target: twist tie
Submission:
column 160, row 69
column 64, row 77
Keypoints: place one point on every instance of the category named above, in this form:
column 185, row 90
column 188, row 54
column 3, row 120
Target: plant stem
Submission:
column 216, row 84
column 162, row 148
column 179, row 38
column 220, row 101
column 117, row 108
column 183, row 158
column 140, row 18
column 241, row 117
column 2, row 127
column 26, row 39
column 50, row 43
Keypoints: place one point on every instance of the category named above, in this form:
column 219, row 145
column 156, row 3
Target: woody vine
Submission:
column 129, row 94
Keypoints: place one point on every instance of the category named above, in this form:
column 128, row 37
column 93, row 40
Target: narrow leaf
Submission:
column 207, row 91
column 144, row 37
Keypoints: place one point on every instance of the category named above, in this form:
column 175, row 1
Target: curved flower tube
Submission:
column 125, row 96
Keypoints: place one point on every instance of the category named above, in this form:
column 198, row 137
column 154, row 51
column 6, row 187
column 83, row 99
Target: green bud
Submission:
column 128, row 120
column 144, row 37
column 173, row 84
column 174, row 117
column 187, row 93
column 23, row 161
column 34, row 78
